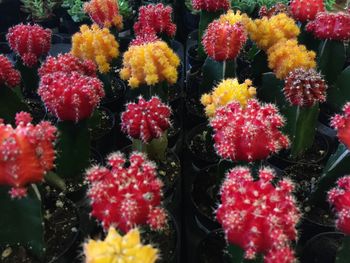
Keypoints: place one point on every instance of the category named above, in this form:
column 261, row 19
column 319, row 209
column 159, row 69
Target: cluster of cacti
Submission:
column 288, row 55
column 305, row 87
column 146, row 120
column 339, row 198
column 117, row 248
column 226, row 91
column 149, row 63
column 8, row 75
column 250, row 133
column 26, row 153
column 342, row 124
column 105, row 13
column 333, row 26
column 156, row 17
column 211, row 5
column 257, row 215
column 70, row 96
column 96, row 44
column 306, row 10
column 223, row 41
column 29, row 42
column 68, row 63
column 273, row 10
column 126, row 195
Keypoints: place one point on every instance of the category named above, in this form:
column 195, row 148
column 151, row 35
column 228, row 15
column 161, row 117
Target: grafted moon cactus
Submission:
column 257, row 215
column 341, row 122
column 211, row 5
column 248, row 134
column 26, row 153
column 71, row 97
column 29, row 42
column 124, row 195
column 9, row 76
column 333, row 26
column 305, row 87
column 339, row 198
column 306, row 10
column 146, row 120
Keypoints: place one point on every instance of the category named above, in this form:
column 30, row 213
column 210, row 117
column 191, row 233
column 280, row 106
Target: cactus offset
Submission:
column 342, row 124
column 146, row 120
column 305, row 88
column 256, row 215
column 211, row 5
column 157, row 17
column 9, row 76
column 105, row 13
column 126, row 195
column 339, row 197
column 68, row 63
column 71, row 97
column 306, row 10
column 223, row 41
column 117, row 248
column 26, row 153
column 250, row 133
column 30, row 42
column 96, row 44
column 333, row 26
column 227, row 91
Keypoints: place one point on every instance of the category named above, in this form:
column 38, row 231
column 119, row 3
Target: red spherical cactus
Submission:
column 211, row 5
column 305, row 87
column 342, row 124
column 146, row 120
column 147, row 35
column 257, row 215
column 333, row 26
column 26, row 153
column 126, row 195
column 29, row 42
column 306, row 10
column 9, row 76
column 339, row 197
column 158, row 17
column 250, row 133
column 223, row 41
column 71, row 97
column 68, row 63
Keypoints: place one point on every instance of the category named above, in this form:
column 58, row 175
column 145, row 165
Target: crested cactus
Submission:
column 26, row 153
column 306, row 10
column 248, row 134
column 257, row 215
column 342, row 124
column 126, row 195
column 9, row 76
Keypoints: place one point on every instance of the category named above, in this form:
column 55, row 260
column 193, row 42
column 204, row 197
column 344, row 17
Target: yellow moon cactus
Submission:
column 233, row 17
column 95, row 44
column 116, row 248
column 150, row 63
column 227, row 91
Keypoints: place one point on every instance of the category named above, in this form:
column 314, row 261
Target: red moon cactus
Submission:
column 342, row 124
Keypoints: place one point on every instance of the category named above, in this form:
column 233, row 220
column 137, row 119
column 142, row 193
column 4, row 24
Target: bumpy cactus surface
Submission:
column 333, row 26
column 341, row 122
column 117, row 248
column 126, row 195
column 306, row 10
column 71, row 97
column 250, row 133
column 257, row 215
column 26, row 153
column 30, row 42
column 9, row 76
column 305, row 87
column 211, row 5
column 146, row 120
column 105, row 13
column 156, row 17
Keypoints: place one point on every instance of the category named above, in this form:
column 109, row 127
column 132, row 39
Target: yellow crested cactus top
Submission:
column 227, row 91
column 288, row 55
column 115, row 248
column 96, row 44
column 266, row 32
column 233, row 17
column 150, row 63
